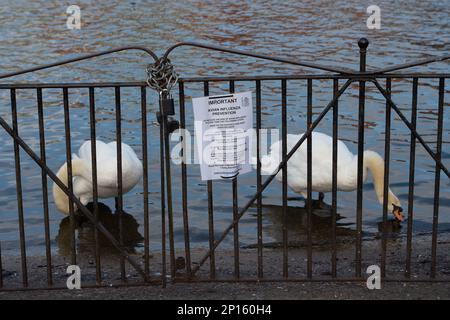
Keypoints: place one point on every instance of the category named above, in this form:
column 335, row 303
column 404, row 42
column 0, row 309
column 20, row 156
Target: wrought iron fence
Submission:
column 188, row 266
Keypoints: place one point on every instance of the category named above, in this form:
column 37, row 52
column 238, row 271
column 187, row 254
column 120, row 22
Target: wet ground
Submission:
column 250, row 291
column 321, row 267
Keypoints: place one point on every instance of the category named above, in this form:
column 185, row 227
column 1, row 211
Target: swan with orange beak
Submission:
column 322, row 172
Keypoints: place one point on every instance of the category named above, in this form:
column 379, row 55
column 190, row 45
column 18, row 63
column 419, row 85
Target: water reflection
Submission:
column 393, row 229
column 321, row 223
column 297, row 226
column 85, row 232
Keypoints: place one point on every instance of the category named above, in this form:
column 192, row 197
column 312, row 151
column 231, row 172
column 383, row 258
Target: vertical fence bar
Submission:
column 187, row 245
column 98, row 269
column 362, row 43
column 258, row 180
column 236, row 230
column 164, row 100
column 48, row 252
column 235, row 214
column 437, row 178
column 412, row 163
column 334, row 182
column 169, row 199
column 23, row 254
column 212, row 257
column 387, row 153
column 309, row 180
column 284, row 175
column 145, row 182
column 163, row 202
column 119, row 199
column 73, row 251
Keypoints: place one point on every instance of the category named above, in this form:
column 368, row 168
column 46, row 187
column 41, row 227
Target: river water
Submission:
column 323, row 32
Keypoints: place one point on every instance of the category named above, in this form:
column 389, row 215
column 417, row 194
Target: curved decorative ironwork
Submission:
column 342, row 71
column 85, row 57
column 259, row 56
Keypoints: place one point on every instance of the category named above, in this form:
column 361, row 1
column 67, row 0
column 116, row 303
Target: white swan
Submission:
column 322, row 156
column 106, row 173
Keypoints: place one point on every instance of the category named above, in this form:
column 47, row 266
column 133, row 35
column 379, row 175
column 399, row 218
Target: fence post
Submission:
column 168, row 124
column 162, row 77
column 363, row 43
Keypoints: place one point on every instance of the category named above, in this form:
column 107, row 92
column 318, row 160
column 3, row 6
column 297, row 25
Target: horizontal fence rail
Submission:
column 166, row 211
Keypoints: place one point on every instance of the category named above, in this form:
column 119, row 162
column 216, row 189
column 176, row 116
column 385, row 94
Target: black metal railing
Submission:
column 192, row 265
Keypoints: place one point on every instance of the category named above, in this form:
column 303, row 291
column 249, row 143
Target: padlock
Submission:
column 168, row 106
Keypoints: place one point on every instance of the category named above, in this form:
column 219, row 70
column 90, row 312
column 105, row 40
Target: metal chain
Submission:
column 161, row 75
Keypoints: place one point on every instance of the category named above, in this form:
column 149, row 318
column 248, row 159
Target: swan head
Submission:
column 375, row 163
column 395, row 207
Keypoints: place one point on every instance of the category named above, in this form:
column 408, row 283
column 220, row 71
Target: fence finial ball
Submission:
column 363, row 43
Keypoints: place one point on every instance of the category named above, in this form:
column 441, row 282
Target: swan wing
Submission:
column 107, row 172
column 322, row 156
column 107, row 164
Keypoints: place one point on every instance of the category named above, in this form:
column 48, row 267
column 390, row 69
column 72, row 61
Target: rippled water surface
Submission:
column 323, row 32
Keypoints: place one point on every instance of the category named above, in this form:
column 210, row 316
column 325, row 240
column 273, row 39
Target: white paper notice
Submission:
column 223, row 134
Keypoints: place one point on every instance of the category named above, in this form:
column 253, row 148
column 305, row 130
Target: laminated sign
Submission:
column 223, row 134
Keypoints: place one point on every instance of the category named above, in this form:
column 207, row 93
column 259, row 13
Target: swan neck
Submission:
column 60, row 197
column 375, row 164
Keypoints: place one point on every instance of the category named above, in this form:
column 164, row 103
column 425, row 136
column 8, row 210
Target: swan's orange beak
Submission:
column 398, row 213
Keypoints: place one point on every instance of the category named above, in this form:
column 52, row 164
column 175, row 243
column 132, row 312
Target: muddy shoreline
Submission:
column 395, row 268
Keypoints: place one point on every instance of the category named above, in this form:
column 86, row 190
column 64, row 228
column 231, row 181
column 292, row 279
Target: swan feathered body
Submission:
column 106, row 173
column 322, row 156
column 322, row 174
